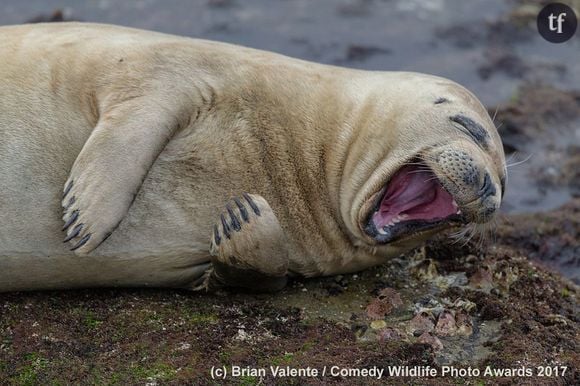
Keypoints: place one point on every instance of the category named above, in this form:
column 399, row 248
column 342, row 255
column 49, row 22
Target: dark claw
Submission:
column 242, row 209
column 82, row 242
column 106, row 236
column 235, row 222
column 67, row 189
column 225, row 226
column 216, row 235
column 70, row 202
column 75, row 232
column 252, row 203
column 73, row 217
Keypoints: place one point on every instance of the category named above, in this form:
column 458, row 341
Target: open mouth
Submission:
column 414, row 201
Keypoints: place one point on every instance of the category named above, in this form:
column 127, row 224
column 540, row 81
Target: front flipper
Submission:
column 111, row 167
column 248, row 247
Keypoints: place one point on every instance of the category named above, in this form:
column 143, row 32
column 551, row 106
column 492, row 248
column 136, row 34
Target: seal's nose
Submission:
column 488, row 197
column 487, row 188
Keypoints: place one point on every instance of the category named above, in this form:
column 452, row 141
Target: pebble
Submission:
column 378, row 324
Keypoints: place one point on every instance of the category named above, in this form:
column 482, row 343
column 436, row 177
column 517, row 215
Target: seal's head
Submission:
column 433, row 160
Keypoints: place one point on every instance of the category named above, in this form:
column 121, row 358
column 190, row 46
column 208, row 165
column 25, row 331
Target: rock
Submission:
column 388, row 300
column 425, row 270
column 464, row 324
column 421, row 323
column 461, row 304
column 482, row 279
column 446, row 324
column 378, row 324
column 431, row 340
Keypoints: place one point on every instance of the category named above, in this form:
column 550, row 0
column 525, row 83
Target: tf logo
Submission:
column 557, row 22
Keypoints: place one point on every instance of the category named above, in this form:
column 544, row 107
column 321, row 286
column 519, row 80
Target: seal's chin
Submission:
column 414, row 201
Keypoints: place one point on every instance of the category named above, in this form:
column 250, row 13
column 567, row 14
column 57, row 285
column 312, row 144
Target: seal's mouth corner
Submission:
column 413, row 201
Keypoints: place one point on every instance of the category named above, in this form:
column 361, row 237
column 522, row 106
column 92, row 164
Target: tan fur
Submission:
column 201, row 122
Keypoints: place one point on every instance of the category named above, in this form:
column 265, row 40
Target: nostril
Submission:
column 487, row 189
column 486, row 183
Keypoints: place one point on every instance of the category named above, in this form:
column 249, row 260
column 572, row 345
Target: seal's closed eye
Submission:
column 473, row 129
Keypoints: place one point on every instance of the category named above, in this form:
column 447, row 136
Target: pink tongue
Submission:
column 417, row 195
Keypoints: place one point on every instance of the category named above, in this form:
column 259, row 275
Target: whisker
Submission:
column 419, row 170
column 415, row 164
column 465, row 234
column 519, row 162
column 495, row 113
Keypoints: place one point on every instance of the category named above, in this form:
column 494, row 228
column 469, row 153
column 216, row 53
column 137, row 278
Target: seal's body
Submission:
column 144, row 137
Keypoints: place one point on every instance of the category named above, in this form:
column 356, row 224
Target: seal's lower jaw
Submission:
column 413, row 202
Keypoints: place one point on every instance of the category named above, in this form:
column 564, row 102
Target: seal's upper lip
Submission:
column 413, row 201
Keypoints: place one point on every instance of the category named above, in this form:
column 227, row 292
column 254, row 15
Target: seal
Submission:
column 173, row 162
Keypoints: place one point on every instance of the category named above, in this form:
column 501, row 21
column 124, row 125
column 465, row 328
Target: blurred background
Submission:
column 484, row 44
column 492, row 47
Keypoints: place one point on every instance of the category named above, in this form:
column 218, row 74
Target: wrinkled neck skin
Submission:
column 316, row 135
column 315, row 125
column 371, row 149
column 310, row 139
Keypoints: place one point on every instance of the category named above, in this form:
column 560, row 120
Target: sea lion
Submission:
column 168, row 161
